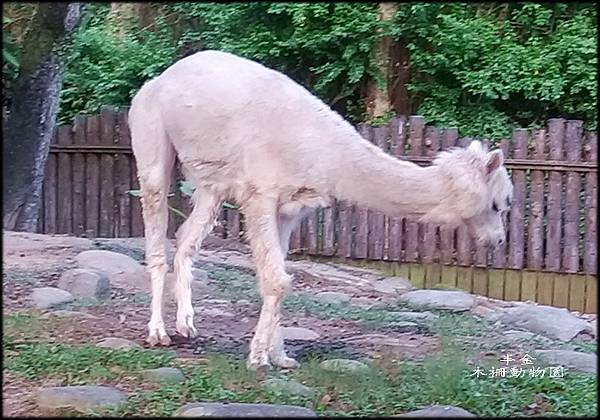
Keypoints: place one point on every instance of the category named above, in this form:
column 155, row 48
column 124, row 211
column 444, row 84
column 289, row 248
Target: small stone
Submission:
column 575, row 360
column 343, row 366
column 79, row 398
column 439, row 411
column 243, row 302
column 216, row 312
column 287, row 386
column 439, row 299
column 424, row 316
column 85, row 283
column 218, row 409
column 116, row 343
column 215, row 301
column 163, row 374
column 70, row 314
column 47, row 297
column 333, row 298
column 299, row 333
column 391, row 285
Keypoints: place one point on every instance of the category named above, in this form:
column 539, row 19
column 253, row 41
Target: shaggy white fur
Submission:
column 249, row 134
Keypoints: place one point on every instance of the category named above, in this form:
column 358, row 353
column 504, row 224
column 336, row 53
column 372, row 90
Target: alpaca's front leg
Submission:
column 273, row 281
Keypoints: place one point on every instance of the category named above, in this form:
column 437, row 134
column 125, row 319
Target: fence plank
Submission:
column 535, row 236
column 517, row 211
column 512, row 285
column 591, row 296
column 79, row 212
column 560, row 297
column 529, row 286
column 397, row 143
column 376, row 218
column 463, row 239
column 92, row 177
column 573, row 137
column 107, row 192
column 590, row 252
column 328, row 230
column 499, row 252
column 448, row 234
column 311, row 233
column 344, row 239
column 556, row 129
column 411, row 239
column 361, row 215
column 428, row 247
column 496, row 284
column 50, row 192
column 576, row 293
column 464, row 278
column 64, row 183
column 545, row 288
column 233, row 226
column 122, row 221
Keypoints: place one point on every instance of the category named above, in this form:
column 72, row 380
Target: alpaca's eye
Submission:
column 494, row 207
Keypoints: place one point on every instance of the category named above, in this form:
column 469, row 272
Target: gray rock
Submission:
column 299, row 333
column 575, row 360
column 439, row 299
column 79, row 398
column 333, row 298
column 439, row 411
column 516, row 336
column 117, row 344
column 163, row 374
column 424, row 316
column 343, row 366
column 85, row 283
column 200, row 275
column 69, row 314
column 217, row 409
column 484, row 312
column 108, row 262
column 545, row 320
column 47, row 297
column 287, row 386
column 392, row 285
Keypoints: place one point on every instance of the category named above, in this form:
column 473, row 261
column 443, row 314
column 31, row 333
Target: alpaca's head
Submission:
column 478, row 192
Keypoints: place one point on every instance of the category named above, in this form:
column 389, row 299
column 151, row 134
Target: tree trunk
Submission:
column 130, row 15
column 32, row 116
column 378, row 97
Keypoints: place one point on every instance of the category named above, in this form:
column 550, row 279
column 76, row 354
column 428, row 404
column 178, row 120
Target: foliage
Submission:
column 105, row 68
column 482, row 67
column 485, row 67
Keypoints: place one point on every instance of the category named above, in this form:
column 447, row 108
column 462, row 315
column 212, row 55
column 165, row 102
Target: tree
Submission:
column 32, row 114
column 378, row 91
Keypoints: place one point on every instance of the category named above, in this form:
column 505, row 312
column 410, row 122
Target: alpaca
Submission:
column 249, row 134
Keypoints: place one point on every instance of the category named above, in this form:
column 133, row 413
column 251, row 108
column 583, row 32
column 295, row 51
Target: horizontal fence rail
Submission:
column 551, row 226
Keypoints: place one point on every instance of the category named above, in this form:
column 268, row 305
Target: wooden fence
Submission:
column 550, row 254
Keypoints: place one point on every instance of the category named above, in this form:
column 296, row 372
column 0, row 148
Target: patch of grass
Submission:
column 77, row 364
column 233, row 284
column 23, row 326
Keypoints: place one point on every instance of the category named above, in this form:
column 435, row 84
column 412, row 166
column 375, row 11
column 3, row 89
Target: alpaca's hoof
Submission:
column 186, row 328
column 285, row 362
column 258, row 363
column 155, row 339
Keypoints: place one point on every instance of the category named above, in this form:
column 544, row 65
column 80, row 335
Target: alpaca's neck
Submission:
column 370, row 178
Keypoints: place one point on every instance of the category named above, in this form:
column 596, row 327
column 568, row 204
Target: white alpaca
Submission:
column 249, row 134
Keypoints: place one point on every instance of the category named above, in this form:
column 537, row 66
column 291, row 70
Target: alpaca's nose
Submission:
column 500, row 241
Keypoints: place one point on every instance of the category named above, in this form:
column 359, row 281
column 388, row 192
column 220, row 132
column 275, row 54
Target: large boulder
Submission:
column 548, row 321
column 439, row 299
column 439, row 411
column 574, row 360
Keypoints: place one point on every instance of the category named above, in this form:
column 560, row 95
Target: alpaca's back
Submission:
column 231, row 119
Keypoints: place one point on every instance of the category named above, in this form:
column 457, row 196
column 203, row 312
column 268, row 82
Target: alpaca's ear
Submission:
column 495, row 159
column 475, row 146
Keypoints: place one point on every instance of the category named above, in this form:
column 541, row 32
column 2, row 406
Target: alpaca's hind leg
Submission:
column 154, row 184
column 189, row 237
column 273, row 281
column 277, row 355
